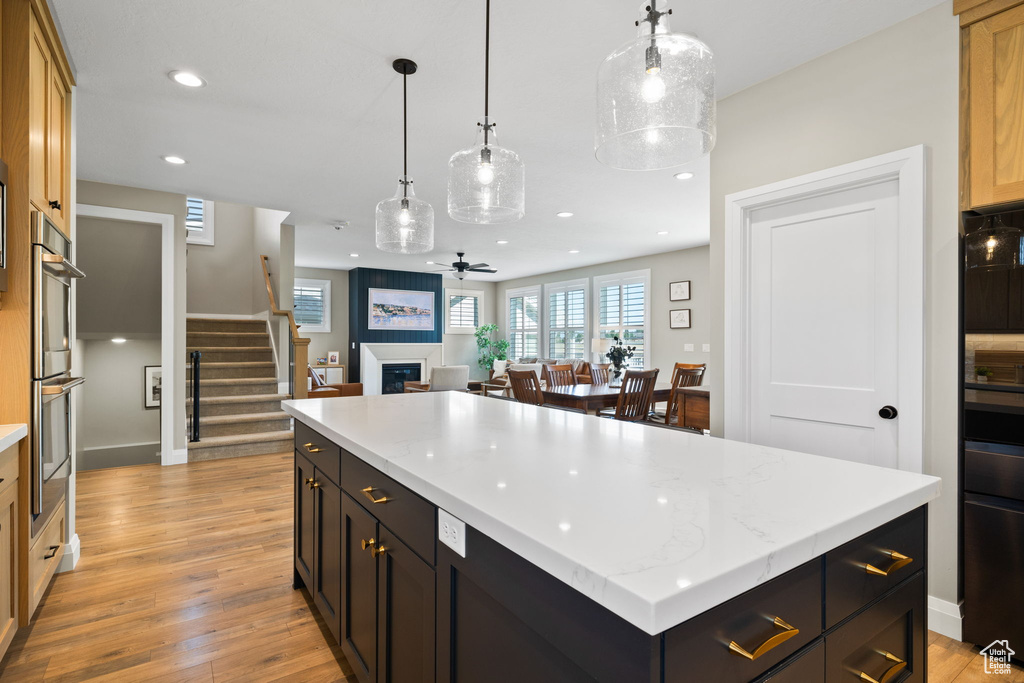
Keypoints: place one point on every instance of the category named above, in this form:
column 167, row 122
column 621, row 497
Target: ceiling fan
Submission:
column 461, row 267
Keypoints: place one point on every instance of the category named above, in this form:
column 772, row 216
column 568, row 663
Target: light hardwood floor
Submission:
column 186, row 575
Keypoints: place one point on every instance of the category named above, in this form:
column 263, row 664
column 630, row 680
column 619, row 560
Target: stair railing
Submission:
column 193, row 380
column 298, row 348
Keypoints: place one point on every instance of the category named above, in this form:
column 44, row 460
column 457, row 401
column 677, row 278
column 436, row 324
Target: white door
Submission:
column 824, row 300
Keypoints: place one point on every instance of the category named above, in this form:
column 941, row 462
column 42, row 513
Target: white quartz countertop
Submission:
column 11, row 434
column 655, row 525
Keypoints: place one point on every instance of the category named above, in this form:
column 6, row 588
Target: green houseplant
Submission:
column 983, row 373
column 619, row 355
column 491, row 349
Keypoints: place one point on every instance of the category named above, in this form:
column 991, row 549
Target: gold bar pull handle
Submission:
column 899, row 561
column 890, row 673
column 368, row 544
column 368, row 492
column 773, row 642
column 312, row 447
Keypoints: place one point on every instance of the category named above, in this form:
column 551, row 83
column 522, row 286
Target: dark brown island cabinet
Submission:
column 406, row 608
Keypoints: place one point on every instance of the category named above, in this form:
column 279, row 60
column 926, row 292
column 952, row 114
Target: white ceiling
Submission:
column 303, row 111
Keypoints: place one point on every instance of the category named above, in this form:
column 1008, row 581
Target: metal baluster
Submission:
column 196, row 356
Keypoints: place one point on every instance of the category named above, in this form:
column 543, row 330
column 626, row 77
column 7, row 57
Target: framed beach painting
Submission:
column 400, row 309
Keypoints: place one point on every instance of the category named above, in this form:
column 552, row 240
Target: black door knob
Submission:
column 888, row 412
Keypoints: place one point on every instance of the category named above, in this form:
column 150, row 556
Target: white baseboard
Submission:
column 945, row 618
column 283, row 387
column 179, row 456
column 72, row 553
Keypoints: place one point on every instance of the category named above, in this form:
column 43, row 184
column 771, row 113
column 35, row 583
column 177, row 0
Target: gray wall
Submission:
column 102, row 194
column 337, row 339
column 220, row 277
column 460, row 349
column 121, row 295
column 892, row 90
column 667, row 345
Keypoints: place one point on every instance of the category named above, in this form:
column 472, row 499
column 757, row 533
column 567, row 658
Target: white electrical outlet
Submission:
column 687, row 347
column 451, row 531
column 706, row 348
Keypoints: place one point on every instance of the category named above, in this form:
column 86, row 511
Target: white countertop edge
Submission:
column 652, row 618
column 12, row 434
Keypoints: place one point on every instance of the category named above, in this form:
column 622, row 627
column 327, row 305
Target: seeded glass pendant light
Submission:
column 486, row 183
column 655, row 98
column 405, row 224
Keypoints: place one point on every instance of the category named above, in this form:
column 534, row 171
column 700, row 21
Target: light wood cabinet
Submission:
column 993, row 109
column 8, row 547
column 49, row 130
column 43, row 557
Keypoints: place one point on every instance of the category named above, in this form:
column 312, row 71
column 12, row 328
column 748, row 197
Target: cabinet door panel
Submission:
column 808, row 667
column 304, row 528
column 997, row 109
column 38, row 115
column 327, row 555
column 56, row 149
column 993, row 592
column 405, row 613
column 985, row 299
column 1016, row 317
column 8, row 566
column 358, row 590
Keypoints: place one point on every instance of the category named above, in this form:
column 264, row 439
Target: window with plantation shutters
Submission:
column 524, row 323
column 463, row 310
column 199, row 221
column 623, row 310
column 311, row 305
column 567, row 319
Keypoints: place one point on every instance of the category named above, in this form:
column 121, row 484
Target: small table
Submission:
column 595, row 397
column 693, row 406
column 419, row 387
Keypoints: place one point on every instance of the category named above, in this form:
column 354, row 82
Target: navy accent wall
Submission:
column 360, row 281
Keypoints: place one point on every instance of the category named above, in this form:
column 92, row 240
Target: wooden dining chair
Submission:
column 560, row 375
column 683, row 375
column 599, row 373
column 526, row 387
column 634, row 404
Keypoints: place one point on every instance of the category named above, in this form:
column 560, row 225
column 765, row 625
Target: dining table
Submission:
column 594, row 397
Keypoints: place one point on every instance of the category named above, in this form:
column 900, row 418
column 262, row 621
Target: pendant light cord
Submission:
column 405, row 136
column 487, row 64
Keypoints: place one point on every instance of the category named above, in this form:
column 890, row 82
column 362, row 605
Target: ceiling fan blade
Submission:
column 482, row 270
column 442, row 270
column 478, row 265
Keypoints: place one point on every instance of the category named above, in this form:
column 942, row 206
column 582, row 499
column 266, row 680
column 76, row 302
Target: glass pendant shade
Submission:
column 486, row 182
column 405, row 224
column 995, row 246
column 655, row 99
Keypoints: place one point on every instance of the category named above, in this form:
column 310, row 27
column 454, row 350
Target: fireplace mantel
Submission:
column 373, row 356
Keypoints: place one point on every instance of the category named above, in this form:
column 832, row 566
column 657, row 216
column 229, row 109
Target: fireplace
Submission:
column 393, row 376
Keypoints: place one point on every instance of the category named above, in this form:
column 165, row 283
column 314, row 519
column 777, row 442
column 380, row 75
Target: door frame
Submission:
column 168, row 456
column 907, row 167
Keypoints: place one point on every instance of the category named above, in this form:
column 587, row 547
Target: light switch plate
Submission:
column 687, row 347
column 451, row 531
column 706, row 348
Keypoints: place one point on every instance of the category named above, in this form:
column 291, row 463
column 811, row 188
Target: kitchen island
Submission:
column 581, row 548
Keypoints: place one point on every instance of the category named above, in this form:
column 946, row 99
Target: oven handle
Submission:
column 62, row 388
column 59, row 262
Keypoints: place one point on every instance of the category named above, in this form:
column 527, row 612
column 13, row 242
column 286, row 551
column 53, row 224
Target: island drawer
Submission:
column 404, row 513
column 745, row 637
column 868, row 566
column 319, row 450
column 884, row 642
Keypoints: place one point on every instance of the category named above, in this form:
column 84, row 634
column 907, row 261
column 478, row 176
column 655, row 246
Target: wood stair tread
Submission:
column 227, row 334
column 222, row 349
column 236, row 364
column 242, row 417
column 258, row 437
column 244, row 398
column 229, row 381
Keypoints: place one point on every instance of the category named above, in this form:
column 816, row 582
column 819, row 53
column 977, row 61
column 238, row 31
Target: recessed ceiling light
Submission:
column 119, row 340
column 187, row 78
column 354, row 255
column 174, row 160
column 564, row 214
column 501, row 241
column 431, row 263
column 663, row 232
column 685, row 175
column 574, row 251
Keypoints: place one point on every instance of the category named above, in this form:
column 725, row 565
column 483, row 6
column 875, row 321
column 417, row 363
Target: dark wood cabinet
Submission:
column 405, row 613
column 805, row 667
column 1016, row 300
column 359, row 589
column 993, row 592
column 318, row 539
column 986, row 300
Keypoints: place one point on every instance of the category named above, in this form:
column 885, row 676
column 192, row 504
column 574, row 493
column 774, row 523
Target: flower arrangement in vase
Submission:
column 618, row 354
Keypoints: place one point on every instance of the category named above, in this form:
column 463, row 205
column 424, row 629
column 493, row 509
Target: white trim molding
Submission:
column 72, row 554
column 907, row 167
column 325, row 298
column 168, row 358
column 945, row 617
column 467, row 292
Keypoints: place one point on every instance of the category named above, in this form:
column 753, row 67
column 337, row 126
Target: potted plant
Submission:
column 618, row 355
column 490, row 349
column 983, row 373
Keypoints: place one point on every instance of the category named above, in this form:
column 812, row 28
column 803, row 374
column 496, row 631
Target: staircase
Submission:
column 239, row 407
